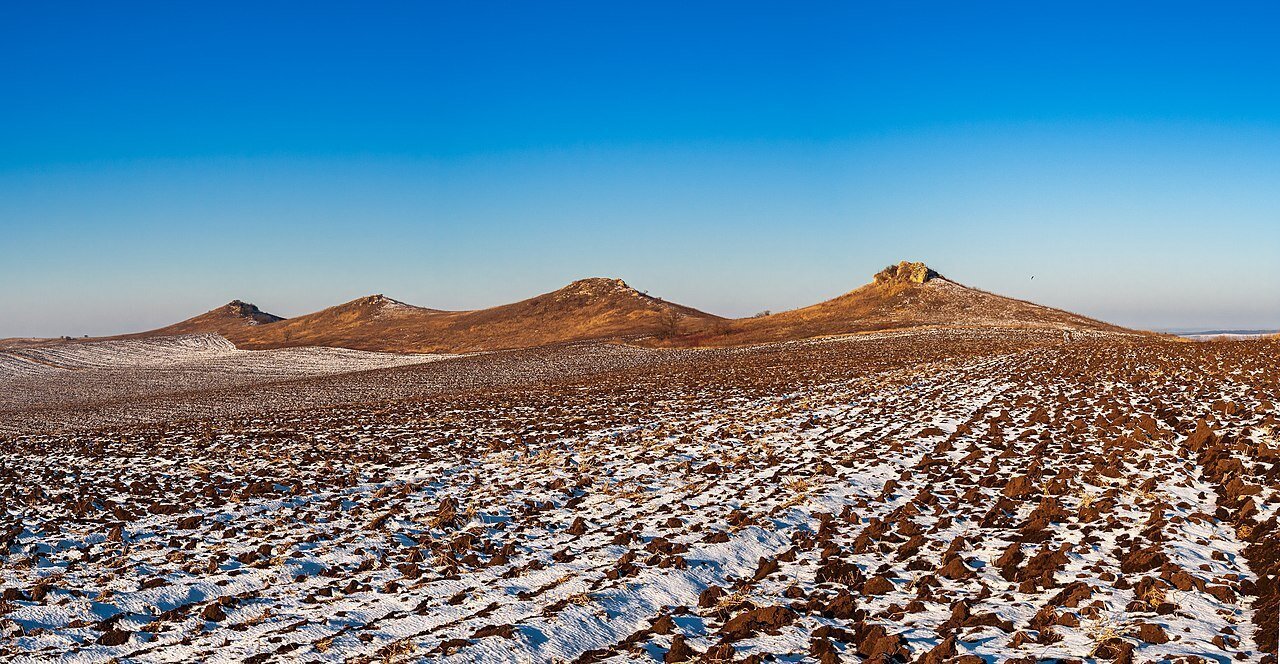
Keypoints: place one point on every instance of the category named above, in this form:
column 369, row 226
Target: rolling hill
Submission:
column 225, row 320
column 905, row 295
column 594, row 308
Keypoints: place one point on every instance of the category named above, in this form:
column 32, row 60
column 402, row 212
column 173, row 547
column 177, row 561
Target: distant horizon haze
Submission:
column 1175, row 329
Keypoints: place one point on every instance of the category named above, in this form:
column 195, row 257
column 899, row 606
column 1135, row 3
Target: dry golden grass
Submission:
column 890, row 305
column 603, row 309
column 580, row 599
column 586, row 309
column 227, row 318
column 398, row 651
column 733, row 600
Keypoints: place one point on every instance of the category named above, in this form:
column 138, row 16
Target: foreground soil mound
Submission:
column 935, row 495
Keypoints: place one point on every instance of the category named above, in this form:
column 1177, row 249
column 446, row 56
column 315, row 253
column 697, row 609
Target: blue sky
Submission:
column 159, row 160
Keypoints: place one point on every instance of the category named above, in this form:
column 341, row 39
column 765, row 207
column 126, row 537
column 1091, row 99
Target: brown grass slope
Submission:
column 587, row 309
column 905, row 295
column 226, row 320
column 375, row 322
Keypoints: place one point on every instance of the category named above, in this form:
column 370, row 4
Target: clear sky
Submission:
column 159, row 160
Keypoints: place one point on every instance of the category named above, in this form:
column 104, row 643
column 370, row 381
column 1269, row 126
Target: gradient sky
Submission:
column 159, row 160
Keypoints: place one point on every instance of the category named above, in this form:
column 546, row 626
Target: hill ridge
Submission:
column 586, row 309
column 902, row 295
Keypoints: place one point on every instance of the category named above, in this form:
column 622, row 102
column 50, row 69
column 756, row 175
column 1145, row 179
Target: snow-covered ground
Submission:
column 114, row 375
column 997, row 495
column 95, row 385
column 204, row 352
column 1228, row 336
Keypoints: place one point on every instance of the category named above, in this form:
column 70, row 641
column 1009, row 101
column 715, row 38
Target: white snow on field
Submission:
column 1227, row 336
column 208, row 352
column 114, row 374
column 992, row 502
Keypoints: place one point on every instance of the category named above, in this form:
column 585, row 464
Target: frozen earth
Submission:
column 934, row 496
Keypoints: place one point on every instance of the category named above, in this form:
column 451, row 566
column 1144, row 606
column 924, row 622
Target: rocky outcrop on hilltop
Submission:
column 905, row 295
column 587, row 309
column 250, row 312
column 227, row 319
column 905, row 272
